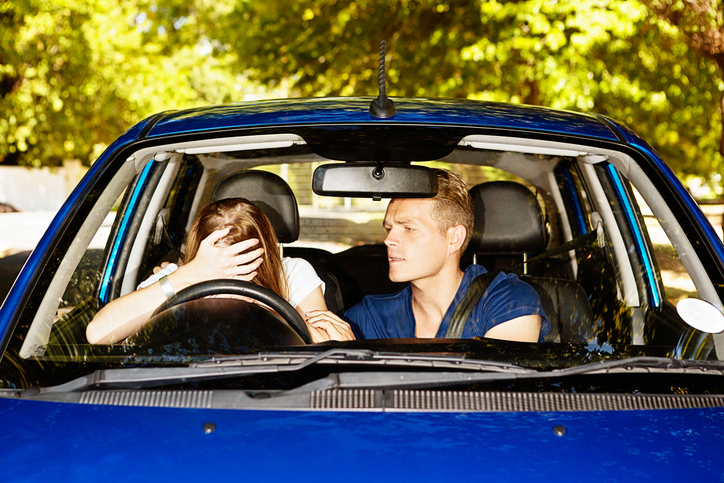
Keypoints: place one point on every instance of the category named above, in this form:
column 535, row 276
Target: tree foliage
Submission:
column 642, row 63
column 611, row 57
column 700, row 25
column 75, row 75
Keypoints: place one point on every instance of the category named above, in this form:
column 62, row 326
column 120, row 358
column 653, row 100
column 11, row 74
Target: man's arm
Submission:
column 521, row 329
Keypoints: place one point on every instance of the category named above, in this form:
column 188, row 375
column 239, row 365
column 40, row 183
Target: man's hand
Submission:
column 325, row 325
column 213, row 262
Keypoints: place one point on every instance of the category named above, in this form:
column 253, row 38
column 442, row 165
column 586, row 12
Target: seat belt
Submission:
column 478, row 286
column 594, row 236
column 476, row 289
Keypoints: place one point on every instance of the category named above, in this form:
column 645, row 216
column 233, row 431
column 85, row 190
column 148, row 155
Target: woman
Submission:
column 221, row 245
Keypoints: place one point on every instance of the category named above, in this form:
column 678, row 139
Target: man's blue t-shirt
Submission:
column 391, row 316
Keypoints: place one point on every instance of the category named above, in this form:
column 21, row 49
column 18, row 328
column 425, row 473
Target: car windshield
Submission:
column 609, row 253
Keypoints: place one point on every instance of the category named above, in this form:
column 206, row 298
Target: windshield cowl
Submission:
column 393, row 371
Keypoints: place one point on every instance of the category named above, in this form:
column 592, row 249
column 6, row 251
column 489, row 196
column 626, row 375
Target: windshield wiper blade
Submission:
column 416, row 380
column 342, row 356
column 235, row 366
column 401, row 380
column 466, row 371
column 645, row 364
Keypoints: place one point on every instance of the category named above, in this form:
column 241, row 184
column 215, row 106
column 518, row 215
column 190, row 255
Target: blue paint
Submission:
column 44, row 441
column 123, row 231
column 641, row 247
column 296, row 112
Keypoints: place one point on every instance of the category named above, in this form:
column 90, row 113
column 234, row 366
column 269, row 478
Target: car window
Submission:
column 336, row 224
column 675, row 277
column 626, row 256
column 71, row 298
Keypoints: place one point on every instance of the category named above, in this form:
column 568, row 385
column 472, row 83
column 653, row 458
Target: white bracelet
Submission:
column 167, row 288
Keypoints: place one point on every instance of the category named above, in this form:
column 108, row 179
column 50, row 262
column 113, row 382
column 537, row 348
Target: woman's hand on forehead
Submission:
column 234, row 261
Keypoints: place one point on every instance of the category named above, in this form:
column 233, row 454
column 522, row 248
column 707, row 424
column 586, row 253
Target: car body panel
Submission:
column 93, row 442
column 100, row 443
column 355, row 110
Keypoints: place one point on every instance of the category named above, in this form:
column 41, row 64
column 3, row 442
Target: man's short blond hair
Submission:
column 452, row 205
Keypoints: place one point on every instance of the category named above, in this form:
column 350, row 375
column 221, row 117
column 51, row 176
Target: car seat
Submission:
column 509, row 223
column 276, row 199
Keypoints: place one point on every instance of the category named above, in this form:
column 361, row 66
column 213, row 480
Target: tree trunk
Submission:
column 532, row 96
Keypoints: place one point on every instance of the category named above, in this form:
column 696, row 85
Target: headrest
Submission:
column 508, row 219
column 270, row 193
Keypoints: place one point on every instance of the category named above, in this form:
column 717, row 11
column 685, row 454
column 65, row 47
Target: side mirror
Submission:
column 370, row 180
column 701, row 315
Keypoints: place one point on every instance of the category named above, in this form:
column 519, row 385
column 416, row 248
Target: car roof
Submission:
column 450, row 112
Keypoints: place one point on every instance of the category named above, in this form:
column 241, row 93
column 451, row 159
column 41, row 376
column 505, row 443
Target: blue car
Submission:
column 626, row 385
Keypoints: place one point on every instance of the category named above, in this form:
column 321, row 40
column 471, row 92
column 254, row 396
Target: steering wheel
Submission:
column 246, row 289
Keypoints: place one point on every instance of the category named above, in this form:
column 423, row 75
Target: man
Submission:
column 425, row 240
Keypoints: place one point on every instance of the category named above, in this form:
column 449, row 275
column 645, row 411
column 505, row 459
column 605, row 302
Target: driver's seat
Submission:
column 270, row 193
column 276, row 199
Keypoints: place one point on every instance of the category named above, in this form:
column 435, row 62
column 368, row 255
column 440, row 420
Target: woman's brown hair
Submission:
column 245, row 220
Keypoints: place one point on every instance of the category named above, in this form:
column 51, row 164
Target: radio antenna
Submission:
column 382, row 106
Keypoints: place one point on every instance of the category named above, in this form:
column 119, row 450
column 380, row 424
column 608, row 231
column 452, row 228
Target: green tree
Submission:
column 607, row 56
column 42, row 57
column 613, row 58
column 75, row 75
column 700, row 25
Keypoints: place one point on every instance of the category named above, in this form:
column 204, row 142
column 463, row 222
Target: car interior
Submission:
column 575, row 222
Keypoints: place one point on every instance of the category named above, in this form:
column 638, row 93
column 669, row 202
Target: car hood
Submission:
column 97, row 442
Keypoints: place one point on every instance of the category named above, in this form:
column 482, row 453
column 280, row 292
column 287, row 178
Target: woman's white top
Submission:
column 301, row 277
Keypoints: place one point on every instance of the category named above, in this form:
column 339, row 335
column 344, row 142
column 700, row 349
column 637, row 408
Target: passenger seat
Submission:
column 510, row 225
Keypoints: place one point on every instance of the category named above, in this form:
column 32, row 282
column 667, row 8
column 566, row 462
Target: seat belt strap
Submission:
column 574, row 244
column 476, row 289
column 478, row 286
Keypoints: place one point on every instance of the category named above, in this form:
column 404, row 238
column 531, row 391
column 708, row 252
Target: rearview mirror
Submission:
column 368, row 180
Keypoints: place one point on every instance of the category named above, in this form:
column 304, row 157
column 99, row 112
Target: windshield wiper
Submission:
column 450, row 370
column 416, row 380
column 645, row 364
column 265, row 363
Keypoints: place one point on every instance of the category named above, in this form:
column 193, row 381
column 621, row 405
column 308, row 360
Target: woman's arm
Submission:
column 314, row 301
column 301, row 275
column 126, row 315
column 327, row 326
